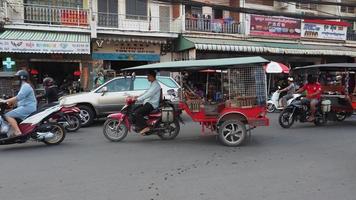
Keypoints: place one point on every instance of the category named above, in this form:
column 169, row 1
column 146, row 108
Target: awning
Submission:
column 221, row 63
column 237, row 45
column 20, row 41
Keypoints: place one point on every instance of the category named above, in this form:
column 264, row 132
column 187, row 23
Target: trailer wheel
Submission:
column 232, row 133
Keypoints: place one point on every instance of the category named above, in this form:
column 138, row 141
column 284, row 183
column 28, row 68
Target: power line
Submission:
column 320, row 2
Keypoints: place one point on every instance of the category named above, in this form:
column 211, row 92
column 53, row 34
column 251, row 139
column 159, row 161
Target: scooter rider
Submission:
column 290, row 89
column 314, row 91
column 51, row 90
column 25, row 100
column 151, row 99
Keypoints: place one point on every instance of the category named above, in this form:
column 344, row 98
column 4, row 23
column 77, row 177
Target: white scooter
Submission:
column 275, row 103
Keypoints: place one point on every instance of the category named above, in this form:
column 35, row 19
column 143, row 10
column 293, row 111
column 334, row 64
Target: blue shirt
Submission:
column 26, row 97
column 152, row 95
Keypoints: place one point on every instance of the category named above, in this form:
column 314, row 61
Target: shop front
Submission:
column 117, row 52
column 63, row 56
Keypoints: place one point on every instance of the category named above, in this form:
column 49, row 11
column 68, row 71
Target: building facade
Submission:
column 75, row 39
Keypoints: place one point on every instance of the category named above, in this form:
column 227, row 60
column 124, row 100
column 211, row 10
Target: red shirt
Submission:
column 312, row 89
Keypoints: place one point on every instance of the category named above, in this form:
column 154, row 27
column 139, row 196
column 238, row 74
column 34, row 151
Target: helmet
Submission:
column 22, row 74
column 290, row 79
column 48, row 81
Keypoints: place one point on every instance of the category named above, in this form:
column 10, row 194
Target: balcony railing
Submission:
column 138, row 23
column 49, row 15
column 212, row 25
column 351, row 36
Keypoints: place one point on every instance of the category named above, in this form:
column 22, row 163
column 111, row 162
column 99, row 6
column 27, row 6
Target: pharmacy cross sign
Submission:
column 8, row 63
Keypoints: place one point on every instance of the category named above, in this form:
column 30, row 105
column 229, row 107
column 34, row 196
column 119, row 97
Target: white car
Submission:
column 110, row 97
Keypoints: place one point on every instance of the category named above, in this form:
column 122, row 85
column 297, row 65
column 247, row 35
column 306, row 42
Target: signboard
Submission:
column 8, row 63
column 129, row 51
column 19, row 46
column 274, row 26
column 320, row 29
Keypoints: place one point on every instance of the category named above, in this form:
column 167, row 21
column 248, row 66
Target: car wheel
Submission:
column 87, row 115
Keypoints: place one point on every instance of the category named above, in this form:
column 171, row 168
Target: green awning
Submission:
column 201, row 64
column 22, row 41
column 238, row 45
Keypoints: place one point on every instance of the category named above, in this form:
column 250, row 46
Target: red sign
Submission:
column 275, row 26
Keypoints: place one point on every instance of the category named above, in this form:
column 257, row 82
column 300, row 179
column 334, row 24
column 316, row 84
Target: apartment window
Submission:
column 59, row 3
column 346, row 9
column 108, row 13
column 306, row 6
column 136, row 9
column 261, row 2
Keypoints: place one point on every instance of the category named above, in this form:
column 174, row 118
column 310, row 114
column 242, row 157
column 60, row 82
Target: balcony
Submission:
column 351, row 36
column 212, row 25
column 46, row 15
column 138, row 23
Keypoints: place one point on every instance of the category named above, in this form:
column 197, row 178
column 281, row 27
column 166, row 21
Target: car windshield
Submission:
column 167, row 81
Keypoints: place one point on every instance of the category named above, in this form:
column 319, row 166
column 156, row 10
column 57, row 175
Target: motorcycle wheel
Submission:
column 232, row 133
column 320, row 121
column 171, row 132
column 271, row 108
column 285, row 121
column 59, row 134
column 113, row 131
column 74, row 124
column 340, row 116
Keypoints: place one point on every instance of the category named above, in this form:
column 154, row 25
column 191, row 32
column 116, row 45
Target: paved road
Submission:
column 304, row 162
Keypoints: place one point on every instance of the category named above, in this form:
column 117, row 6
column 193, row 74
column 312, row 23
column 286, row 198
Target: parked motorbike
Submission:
column 274, row 103
column 38, row 126
column 69, row 117
column 163, row 122
column 299, row 110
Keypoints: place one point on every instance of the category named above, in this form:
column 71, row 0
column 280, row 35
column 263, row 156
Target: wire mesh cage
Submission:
column 245, row 86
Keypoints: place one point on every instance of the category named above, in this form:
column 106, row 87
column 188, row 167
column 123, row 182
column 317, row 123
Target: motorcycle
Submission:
column 299, row 110
column 39, row 127
column 275, row 104
column 69, row 117
column 163, row 122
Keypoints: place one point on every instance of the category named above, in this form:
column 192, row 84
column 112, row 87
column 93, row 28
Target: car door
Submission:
column 114, row 99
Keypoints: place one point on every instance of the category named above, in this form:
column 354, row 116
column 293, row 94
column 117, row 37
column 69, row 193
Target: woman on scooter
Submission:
column 25, row 100
column 290, row 91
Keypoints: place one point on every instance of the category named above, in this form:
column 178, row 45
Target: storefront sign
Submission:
column 320, row 29
column 18, row 46
column 129, row 51
column 275, row 26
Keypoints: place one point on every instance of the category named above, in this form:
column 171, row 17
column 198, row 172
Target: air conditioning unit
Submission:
column 280, row 5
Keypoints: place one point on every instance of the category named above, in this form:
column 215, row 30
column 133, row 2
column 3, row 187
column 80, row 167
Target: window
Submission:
column 141, row 84
column 218, row 14
column 261, row 2
column 119, row 85
column 108, row 13
column 167, row 81
column 136, row 9
column 306, row 6
column 346, row 9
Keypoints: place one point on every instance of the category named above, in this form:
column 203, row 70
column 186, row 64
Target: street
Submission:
column 304, row 162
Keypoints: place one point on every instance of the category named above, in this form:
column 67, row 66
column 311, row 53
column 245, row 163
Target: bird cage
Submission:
column 245, row 86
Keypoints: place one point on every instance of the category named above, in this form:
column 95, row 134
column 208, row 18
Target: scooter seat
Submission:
column 155, row 113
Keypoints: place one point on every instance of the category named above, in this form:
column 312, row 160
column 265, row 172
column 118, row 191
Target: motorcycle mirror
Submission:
column 171, row 92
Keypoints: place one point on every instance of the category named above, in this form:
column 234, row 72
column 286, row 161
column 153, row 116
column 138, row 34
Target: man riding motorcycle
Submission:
column 314, row 91
column 25, row 100
column 151, row 99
